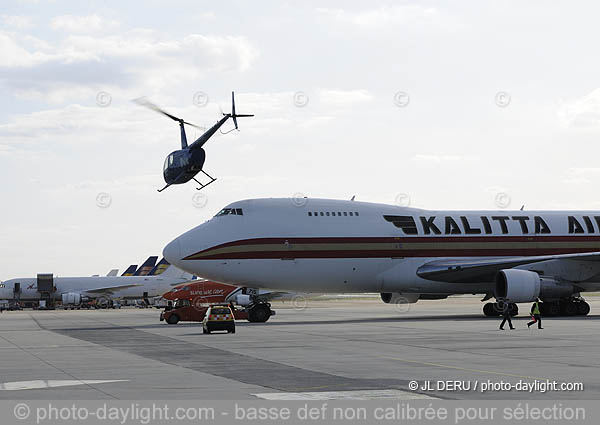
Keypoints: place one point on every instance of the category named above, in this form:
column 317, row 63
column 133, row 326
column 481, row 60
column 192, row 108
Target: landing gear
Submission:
column 203, row 185
column 260, row 313
column 489, row 309
column 495, row 310
column 566, row 307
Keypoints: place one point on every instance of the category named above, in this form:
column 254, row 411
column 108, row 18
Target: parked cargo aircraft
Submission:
column 73, row 290
column 406, row 254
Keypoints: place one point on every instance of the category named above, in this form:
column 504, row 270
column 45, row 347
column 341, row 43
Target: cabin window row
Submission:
column 333, row 213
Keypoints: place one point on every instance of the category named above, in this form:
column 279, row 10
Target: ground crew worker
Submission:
column 536, row 314
column 506, row 315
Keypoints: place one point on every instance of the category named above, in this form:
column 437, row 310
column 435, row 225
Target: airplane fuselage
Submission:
column 320, row 245
column 125, row 287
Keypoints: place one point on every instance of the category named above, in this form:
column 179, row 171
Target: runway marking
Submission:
column 346, row 395
column 39, row 384
column 490, row 372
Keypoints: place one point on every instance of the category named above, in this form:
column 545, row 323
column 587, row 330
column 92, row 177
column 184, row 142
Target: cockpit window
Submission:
column 230, row 211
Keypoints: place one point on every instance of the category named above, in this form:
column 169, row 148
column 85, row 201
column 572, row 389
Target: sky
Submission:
column 438, row 105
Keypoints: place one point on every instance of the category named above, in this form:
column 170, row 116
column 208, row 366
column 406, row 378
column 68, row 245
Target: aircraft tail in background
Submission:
column 147, row 267
column 130, row 270
column 159, row 268
column 113, row 272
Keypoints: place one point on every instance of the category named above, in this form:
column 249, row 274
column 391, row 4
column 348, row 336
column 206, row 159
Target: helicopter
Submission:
column 184, row 164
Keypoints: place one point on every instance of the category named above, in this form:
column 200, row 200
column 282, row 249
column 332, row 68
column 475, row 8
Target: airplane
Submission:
column 147, row 267
column 405, row 254
column 183, row 165
column 113, row 272
column 74, row 290
column 130, row 270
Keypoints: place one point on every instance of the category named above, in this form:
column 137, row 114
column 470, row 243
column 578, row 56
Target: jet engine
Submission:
column 520, row 286
column 243, row 300
column 399, row 298
column 73, row 298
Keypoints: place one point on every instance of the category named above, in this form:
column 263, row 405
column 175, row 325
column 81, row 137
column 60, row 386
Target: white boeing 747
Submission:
column 147, row 282
column 406, row 254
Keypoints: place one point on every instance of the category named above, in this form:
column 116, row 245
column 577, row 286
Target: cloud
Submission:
column 578, row 175
column 583, row 113
column 385, row 17
column 345, row 97
column 17, row 21
column 78, row 24
column 133, row 62
column 443, row 158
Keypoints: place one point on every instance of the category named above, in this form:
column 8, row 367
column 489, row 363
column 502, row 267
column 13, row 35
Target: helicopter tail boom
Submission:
column 200, row 141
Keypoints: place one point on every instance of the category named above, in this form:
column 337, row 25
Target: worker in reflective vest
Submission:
column 536, row 314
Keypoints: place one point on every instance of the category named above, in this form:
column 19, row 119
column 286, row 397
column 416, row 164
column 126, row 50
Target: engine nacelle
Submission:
column 73, row 298
column 399, row 298
column 521, row 286
column 243, row 300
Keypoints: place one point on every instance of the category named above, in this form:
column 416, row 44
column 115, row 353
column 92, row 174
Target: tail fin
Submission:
column 130, row 270
column 235, row 116
column 159, row 268
column 146, row 267
column 113, row 272
column 173, row 271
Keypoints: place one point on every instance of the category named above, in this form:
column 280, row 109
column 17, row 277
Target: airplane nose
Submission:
column 172, row 252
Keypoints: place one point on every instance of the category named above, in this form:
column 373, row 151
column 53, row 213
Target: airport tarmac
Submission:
column 348, row 348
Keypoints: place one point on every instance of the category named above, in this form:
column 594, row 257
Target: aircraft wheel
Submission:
column 583, row 308
column 489, row 310
column 260, row 313
column 553, row 309
column 569, row 308
column 173, row 319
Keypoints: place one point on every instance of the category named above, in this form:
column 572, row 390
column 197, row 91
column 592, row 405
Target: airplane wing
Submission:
column 110, row 289
column 471, row 270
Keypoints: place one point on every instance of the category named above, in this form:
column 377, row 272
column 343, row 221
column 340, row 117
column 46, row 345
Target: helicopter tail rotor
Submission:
column 235, row 116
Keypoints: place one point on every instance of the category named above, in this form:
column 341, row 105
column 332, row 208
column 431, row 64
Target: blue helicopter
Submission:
column 184, row 164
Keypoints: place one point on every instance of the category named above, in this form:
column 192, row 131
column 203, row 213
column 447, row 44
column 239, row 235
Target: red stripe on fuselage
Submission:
column 495, row 247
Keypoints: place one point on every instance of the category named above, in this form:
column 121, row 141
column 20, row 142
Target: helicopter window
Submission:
column 171, row 159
